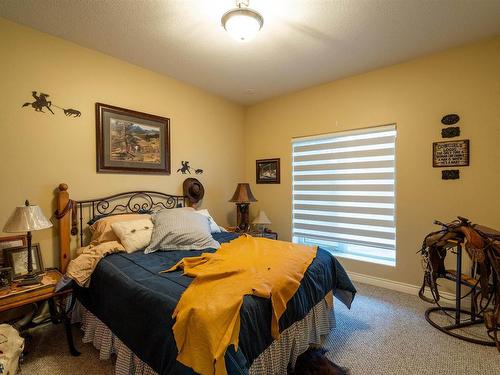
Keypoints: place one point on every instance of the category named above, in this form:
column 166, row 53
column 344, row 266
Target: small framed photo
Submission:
column 17, row 258
column 131, row 142
column 11, row 241
column 268, row 171
column 5, row 277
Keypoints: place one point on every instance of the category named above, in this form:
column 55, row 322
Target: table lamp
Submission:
column 261, row 221
column 26, row 219
column 242, row 197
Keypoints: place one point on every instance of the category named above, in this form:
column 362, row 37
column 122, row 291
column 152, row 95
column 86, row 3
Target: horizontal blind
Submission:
column 343, row 190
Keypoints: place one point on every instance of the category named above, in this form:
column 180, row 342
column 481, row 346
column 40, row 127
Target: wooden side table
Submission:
column 17, row 296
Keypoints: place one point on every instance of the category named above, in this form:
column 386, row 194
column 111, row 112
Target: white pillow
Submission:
column 135, row 234
column 214, row 228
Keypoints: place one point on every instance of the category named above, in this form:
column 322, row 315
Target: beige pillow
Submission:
column 102, row 232
column 134, row 235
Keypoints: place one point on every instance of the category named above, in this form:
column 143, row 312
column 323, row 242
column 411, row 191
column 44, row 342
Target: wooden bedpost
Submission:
column 64, row 227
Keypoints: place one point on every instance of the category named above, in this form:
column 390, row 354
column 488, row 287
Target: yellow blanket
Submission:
column 207, row 317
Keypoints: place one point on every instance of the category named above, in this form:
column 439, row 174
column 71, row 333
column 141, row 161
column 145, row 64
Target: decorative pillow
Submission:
column 102, row 231
column 134, row 235
column 180, row 229
column 214, row 228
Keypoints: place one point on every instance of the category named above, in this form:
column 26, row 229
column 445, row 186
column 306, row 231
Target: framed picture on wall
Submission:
column 131, row 142
column 268, row 171
column 17, row 258
column 10, row 241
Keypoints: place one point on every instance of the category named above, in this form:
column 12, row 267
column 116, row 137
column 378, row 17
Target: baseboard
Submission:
column 391, row 284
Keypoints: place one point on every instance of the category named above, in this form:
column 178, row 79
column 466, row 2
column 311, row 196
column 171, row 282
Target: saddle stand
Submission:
column 458, row 312
column 483, row 283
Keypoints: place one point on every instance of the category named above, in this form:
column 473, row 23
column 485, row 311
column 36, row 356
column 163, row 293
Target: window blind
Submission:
column 343, row 193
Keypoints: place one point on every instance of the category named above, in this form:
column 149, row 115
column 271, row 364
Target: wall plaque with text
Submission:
column 450, row 154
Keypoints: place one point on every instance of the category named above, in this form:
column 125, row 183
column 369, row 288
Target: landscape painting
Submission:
column 134, row 142
column 131, row 142
column 268, row 171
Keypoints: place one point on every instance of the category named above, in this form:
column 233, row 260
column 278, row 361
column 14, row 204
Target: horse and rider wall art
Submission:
column 42, row 102
column 186, row 168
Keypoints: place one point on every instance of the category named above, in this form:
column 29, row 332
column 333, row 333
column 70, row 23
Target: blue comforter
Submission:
column 136, row 302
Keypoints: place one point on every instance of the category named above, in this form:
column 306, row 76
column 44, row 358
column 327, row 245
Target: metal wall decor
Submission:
column 450, row 154
column 186, row 168
column 450, row 174
column 451, row 132
column 450, row 119
column 41, row 102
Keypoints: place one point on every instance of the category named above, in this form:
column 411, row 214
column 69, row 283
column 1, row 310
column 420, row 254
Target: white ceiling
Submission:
column 302, row 43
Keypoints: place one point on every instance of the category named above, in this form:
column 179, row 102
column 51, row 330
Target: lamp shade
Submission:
column 25, row 219
column 243, row 194
column 261, row 219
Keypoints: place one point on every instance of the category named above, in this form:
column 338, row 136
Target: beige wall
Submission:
column 40, row 150
column 414, row 95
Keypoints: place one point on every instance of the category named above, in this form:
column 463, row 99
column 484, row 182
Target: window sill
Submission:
column 384, row 262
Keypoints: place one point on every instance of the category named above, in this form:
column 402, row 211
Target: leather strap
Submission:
column 71, row 205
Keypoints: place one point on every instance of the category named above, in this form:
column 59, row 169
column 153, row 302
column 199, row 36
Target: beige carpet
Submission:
column 48, row 354
column 385, row 333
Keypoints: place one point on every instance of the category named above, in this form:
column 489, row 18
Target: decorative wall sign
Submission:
column 186, row 168
column 267, row 171
column 450, row 119
column 41, row 102
column 450, row 174
column 450, row 132
column 450, row 154
column 131, row 142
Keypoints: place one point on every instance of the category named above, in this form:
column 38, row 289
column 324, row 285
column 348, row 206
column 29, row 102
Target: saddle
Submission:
column 482, row 245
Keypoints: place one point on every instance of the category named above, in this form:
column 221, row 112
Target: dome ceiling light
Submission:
column 242, row 23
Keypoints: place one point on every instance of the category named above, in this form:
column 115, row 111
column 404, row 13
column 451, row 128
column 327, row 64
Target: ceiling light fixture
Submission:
column 242, row 23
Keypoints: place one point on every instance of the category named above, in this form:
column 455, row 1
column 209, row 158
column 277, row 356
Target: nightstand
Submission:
column 18, row 296
column 266, row 234
column 255, row 233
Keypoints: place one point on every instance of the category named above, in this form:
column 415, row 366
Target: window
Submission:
column 343, row 193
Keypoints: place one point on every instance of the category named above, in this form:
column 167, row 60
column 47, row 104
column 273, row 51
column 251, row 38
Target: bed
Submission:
column 127, row 308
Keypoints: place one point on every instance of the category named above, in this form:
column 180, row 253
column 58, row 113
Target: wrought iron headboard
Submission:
column 71, row 212
column 123, row 203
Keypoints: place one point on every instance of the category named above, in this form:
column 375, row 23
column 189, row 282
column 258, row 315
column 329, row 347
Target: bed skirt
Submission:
column 313, row 329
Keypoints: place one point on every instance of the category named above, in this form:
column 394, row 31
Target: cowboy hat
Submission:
column 193, row 190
